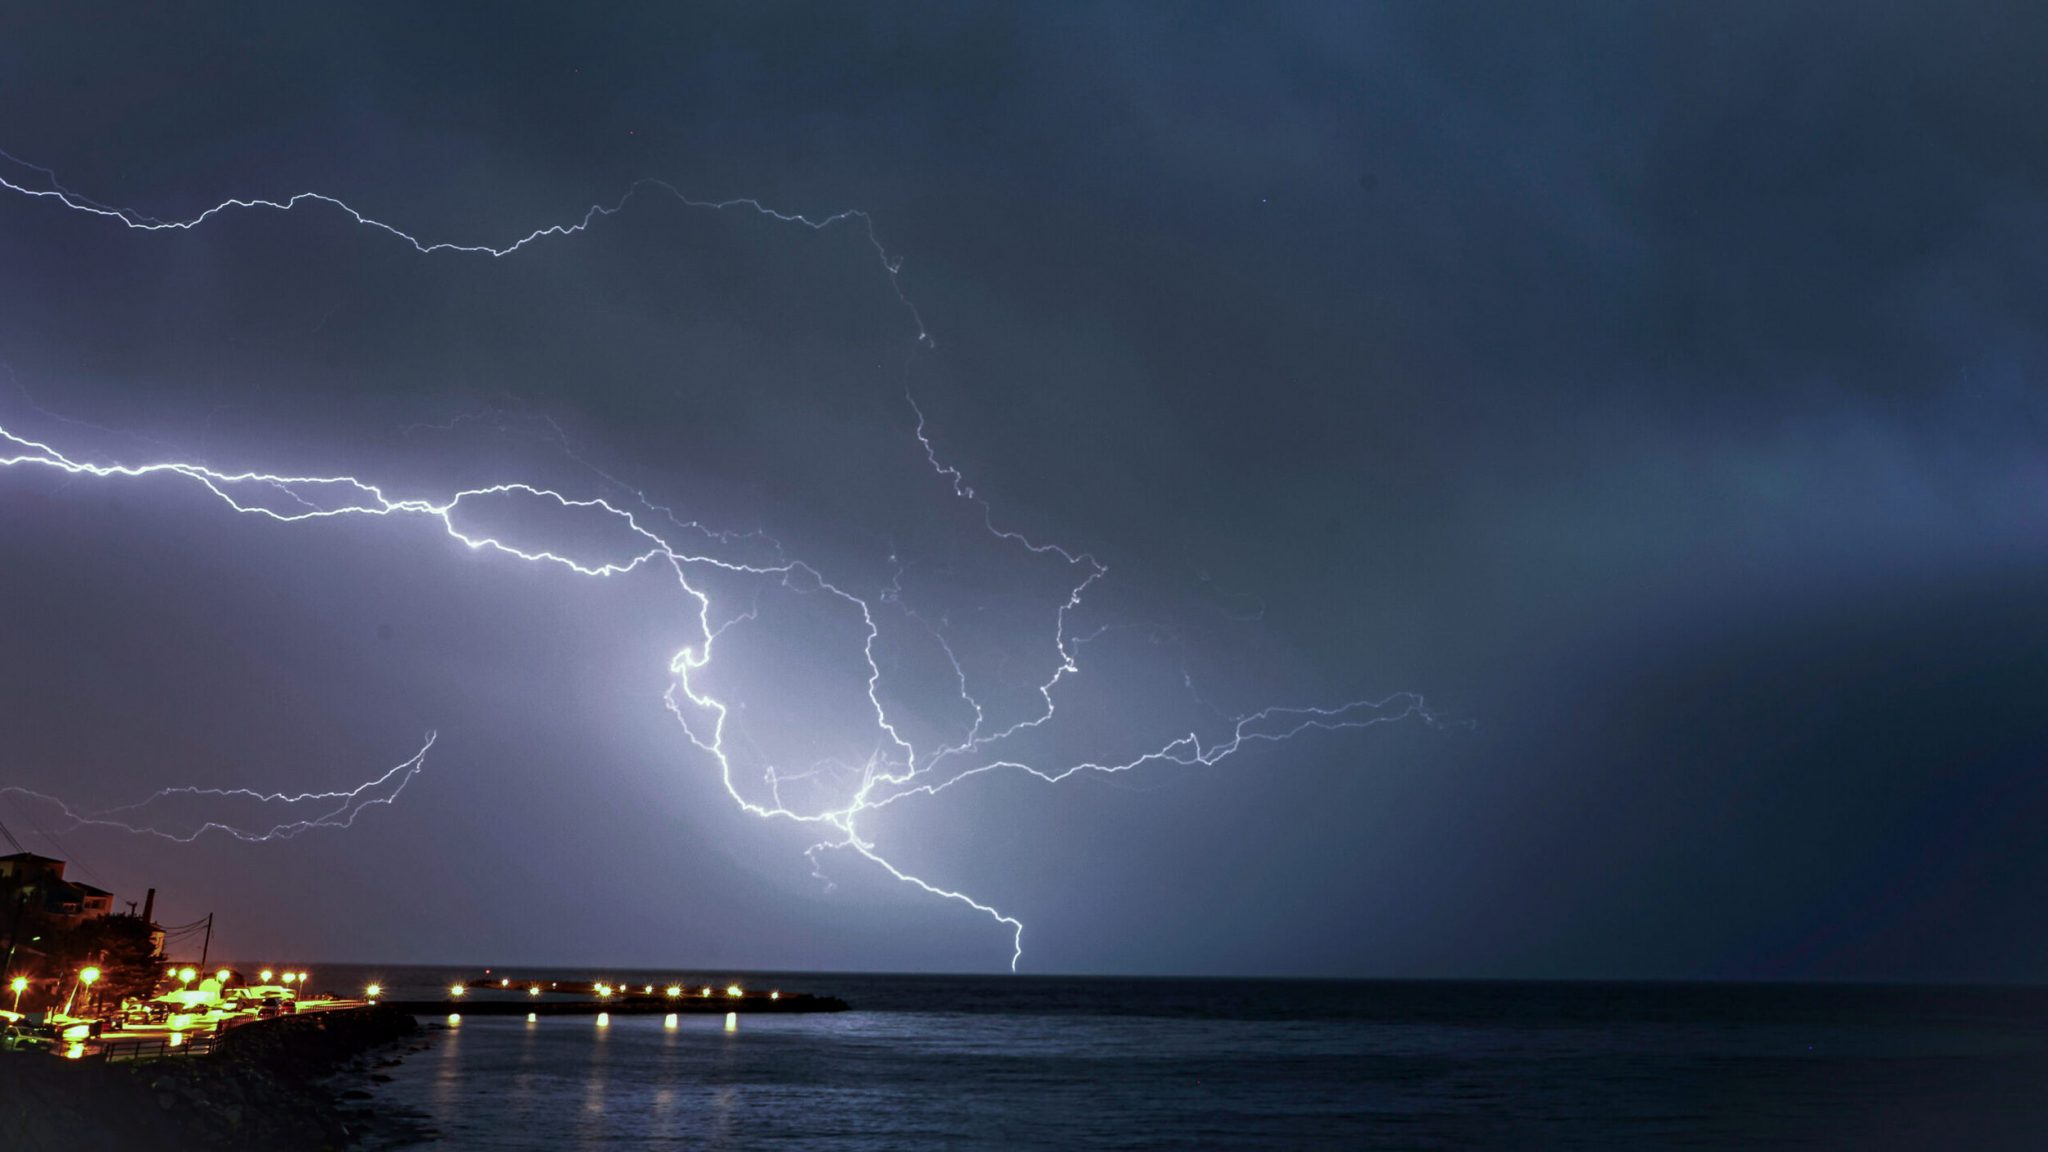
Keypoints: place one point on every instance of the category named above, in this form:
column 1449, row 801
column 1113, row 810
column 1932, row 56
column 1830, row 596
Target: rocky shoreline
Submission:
column 278, row 1084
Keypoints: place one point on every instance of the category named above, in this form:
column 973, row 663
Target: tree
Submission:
column 119, row 946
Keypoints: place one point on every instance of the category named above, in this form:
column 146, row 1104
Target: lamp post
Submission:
column 20, row 985
column 86, row 977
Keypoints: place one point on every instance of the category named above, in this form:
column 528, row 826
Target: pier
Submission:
column 510, row 996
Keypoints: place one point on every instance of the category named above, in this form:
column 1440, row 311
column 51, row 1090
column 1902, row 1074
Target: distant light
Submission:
column 456, row 990
column 172, row 972
column 373, row 991
column 673, row 991
column 504, row 983
column 19, row 983
column 732, row 1021
column 732, row 990
column 604, row 1019
column 775, row 995
column 455, row 1017
column 286, row 978
column 266, row 974
column 707, row 991
column 88, row 974
column 302, row 977
column 222, row 975
column 649, row 989
column 185, row 975
column 669, row 1021
column 533, row 991
column 531, row 1017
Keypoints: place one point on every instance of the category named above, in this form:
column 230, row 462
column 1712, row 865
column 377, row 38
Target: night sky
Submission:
column 1651, row 387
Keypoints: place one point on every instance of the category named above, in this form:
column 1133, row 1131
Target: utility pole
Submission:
column 14, row 928
column 207, row 944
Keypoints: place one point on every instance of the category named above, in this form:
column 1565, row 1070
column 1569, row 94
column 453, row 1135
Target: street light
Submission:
column 456, row 990
column 86, row 976
column 20, row 985
column 186, row 975
column 222, row 976
column 265, row 975
column 372, row 992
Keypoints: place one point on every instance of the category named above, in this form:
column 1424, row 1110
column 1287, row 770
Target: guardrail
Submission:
column 112, row 1049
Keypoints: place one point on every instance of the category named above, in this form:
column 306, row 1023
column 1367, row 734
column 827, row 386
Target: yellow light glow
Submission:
column 674, row 991
column 88, row 975
column 266, row 974
column 222, row 975
column 18, row 984
column 732, row 990
column 374, row 991
column 604, row 1019
column 455, row 1017
column 177, row 1038
column 648, row 990
column 532, row 1017
column 533, row 991
column 504, row 983
column 74, row 1052
column 732, row 1021
column 186, row 975
column 775, row 995
column 457, row 990
column 287, row 978
column 707, row 991
column 669, row 1021
column 172, row 972
column 302, row 977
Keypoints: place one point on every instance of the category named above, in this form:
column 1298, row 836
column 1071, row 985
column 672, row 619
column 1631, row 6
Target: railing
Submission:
column 151, row 1047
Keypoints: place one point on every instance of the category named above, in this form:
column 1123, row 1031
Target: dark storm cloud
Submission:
column 1654, row 386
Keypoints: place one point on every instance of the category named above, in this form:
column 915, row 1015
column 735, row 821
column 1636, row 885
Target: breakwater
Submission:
column 266, row 1085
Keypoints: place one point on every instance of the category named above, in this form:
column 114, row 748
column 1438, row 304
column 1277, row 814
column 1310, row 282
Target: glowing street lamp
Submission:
column 372, row 992
column 533, row 990
column 732, row 990
column 222, row 976
column 86, row 978
column 186, row 975
column 20, row 985
column 456, row 991
column 673, row 991
column 265, row 975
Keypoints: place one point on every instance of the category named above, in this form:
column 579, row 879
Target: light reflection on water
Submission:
column 1135, row 1064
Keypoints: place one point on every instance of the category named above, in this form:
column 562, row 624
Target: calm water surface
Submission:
column 1077, row 1063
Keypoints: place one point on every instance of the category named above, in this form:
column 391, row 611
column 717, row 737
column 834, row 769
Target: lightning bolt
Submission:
column 334, row 809
column 895, row 771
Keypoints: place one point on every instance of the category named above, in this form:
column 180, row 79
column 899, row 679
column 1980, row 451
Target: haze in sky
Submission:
column 1652, row 390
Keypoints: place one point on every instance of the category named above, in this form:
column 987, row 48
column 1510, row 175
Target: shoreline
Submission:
column 284, row 1083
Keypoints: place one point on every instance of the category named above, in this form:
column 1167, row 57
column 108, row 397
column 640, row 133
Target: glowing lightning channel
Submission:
column 342, row 810
column 894, row 772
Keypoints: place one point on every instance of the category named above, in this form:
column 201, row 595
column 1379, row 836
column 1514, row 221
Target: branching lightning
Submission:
column 331, row 809
column 894, row 771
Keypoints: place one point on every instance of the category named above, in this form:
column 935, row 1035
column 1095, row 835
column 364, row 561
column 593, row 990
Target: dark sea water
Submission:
column 973, row 1062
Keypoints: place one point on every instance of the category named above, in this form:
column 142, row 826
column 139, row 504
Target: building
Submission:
column 41, row 879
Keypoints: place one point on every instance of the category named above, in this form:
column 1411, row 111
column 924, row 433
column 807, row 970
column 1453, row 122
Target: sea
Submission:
column 1023, row 1062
